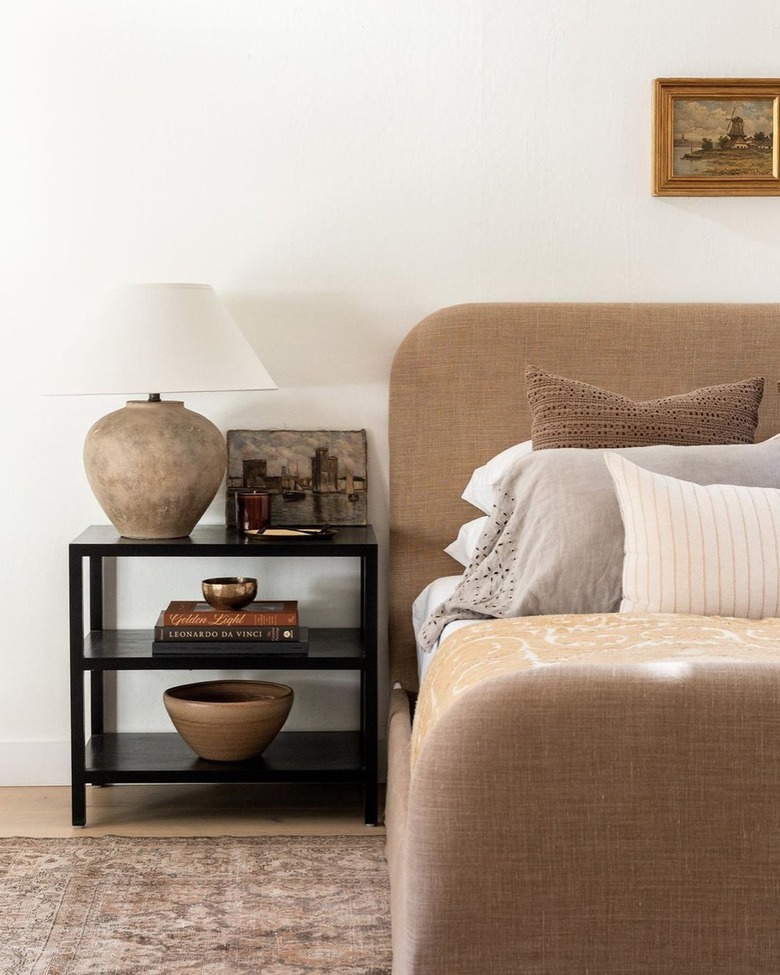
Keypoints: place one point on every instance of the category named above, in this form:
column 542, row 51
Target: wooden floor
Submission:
column 187, row 810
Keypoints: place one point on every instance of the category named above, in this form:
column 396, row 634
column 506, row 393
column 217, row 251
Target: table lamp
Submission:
column 155, row 466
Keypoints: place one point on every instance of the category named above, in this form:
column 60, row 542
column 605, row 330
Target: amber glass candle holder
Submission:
column 253, row 511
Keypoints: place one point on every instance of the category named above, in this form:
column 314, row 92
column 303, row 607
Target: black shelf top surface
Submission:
column 355, row 540
column 329, row 649
column 160, row 757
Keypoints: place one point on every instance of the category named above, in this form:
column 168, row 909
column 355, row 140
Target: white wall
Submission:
column 336, row 170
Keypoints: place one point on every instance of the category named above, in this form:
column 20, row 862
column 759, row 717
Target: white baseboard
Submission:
column 34, row 763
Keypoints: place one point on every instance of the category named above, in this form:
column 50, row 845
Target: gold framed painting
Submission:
column 716, row 137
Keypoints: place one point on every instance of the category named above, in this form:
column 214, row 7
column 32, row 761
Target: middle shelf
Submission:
column 330, row 648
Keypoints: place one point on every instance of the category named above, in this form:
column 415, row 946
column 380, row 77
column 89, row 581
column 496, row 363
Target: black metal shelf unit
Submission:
column 312, row 756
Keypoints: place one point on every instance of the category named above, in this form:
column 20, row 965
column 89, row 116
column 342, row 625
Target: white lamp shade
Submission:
column 160, row 338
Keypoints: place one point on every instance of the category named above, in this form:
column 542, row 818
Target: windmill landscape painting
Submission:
column 723, row 137
column 716, row 137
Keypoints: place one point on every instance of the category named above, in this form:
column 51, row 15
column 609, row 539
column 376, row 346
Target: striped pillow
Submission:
column 711, row 550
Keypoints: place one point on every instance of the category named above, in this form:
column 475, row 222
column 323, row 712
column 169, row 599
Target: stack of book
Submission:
column 187, row 626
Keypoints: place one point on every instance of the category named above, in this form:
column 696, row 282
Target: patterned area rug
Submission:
column 272, row 905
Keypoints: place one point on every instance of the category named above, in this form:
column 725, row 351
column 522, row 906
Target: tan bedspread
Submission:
column 489, row 649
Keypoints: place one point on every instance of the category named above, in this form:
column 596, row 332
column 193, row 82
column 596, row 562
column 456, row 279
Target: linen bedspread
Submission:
column 498, row 647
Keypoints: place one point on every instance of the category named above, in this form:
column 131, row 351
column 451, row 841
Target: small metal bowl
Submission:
column 229, row 592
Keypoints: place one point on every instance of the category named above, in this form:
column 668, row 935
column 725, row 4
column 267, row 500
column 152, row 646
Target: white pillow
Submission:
column 464, row 546
column 482, row 489
column 709, row 550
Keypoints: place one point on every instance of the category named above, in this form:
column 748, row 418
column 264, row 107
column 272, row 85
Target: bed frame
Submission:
column 636, row 829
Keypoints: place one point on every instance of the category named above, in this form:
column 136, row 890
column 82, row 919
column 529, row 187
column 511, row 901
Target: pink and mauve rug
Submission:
column 271, row 905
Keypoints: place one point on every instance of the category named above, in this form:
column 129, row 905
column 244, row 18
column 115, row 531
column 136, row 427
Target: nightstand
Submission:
column 102, row 757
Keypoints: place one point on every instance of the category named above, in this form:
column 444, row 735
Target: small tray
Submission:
column 278, row 533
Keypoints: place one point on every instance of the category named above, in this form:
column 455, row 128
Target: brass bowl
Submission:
column 229, row 592
column 228, row 720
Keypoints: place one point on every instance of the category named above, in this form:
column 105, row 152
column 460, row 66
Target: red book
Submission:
column 186, row 613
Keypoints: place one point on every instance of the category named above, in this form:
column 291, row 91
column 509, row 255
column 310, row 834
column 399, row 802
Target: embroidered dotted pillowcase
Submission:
column 568, row 413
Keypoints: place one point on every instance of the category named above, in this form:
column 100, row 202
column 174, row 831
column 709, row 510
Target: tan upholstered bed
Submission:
column 574, row 819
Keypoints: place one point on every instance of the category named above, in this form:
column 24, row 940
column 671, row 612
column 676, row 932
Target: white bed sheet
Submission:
column 432, row 596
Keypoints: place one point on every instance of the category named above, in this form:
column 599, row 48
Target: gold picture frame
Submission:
column 716, row 137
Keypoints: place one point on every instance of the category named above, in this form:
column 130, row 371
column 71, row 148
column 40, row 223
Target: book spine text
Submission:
column 263, row 634
column 222, row 619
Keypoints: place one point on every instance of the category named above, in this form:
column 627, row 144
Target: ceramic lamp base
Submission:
column 154, row 467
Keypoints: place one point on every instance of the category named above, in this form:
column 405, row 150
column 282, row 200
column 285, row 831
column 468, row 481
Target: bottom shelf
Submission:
column 293, row 756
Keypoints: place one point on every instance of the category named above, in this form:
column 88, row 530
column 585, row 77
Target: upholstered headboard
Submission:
column 457, row 397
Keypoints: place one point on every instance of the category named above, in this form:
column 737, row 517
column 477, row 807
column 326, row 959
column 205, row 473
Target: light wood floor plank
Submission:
column 186, row 810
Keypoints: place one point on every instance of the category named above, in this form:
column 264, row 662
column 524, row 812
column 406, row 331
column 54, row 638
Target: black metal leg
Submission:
column 370, row 689
column 77, row 775
column 96, row 698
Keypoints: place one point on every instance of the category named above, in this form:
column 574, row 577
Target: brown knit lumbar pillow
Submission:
column 568, row 413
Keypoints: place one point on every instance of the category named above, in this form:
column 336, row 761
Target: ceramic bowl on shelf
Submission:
column 229, row 592
column 228, row 720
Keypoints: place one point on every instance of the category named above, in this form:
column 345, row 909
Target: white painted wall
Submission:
column 337, row 170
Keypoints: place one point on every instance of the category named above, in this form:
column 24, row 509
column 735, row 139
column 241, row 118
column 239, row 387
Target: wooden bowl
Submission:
column 228, row 720
column 229, row 592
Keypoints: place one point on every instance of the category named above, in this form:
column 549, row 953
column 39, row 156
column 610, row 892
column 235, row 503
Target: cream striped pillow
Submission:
column 711, row 550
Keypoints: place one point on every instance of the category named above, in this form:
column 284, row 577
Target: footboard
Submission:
column 616, row 821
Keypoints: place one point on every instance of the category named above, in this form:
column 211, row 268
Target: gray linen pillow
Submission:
column 569, row 413
column 554, row 542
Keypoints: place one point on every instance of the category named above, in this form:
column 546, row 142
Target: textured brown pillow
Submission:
column 568, row 413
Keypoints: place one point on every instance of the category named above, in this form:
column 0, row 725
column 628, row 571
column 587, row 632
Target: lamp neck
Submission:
column 154, row 398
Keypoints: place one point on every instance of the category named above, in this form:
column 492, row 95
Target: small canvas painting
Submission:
column 314, row 477
column 723, row 136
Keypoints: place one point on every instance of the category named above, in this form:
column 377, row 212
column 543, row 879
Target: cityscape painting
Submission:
column 314, row 477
